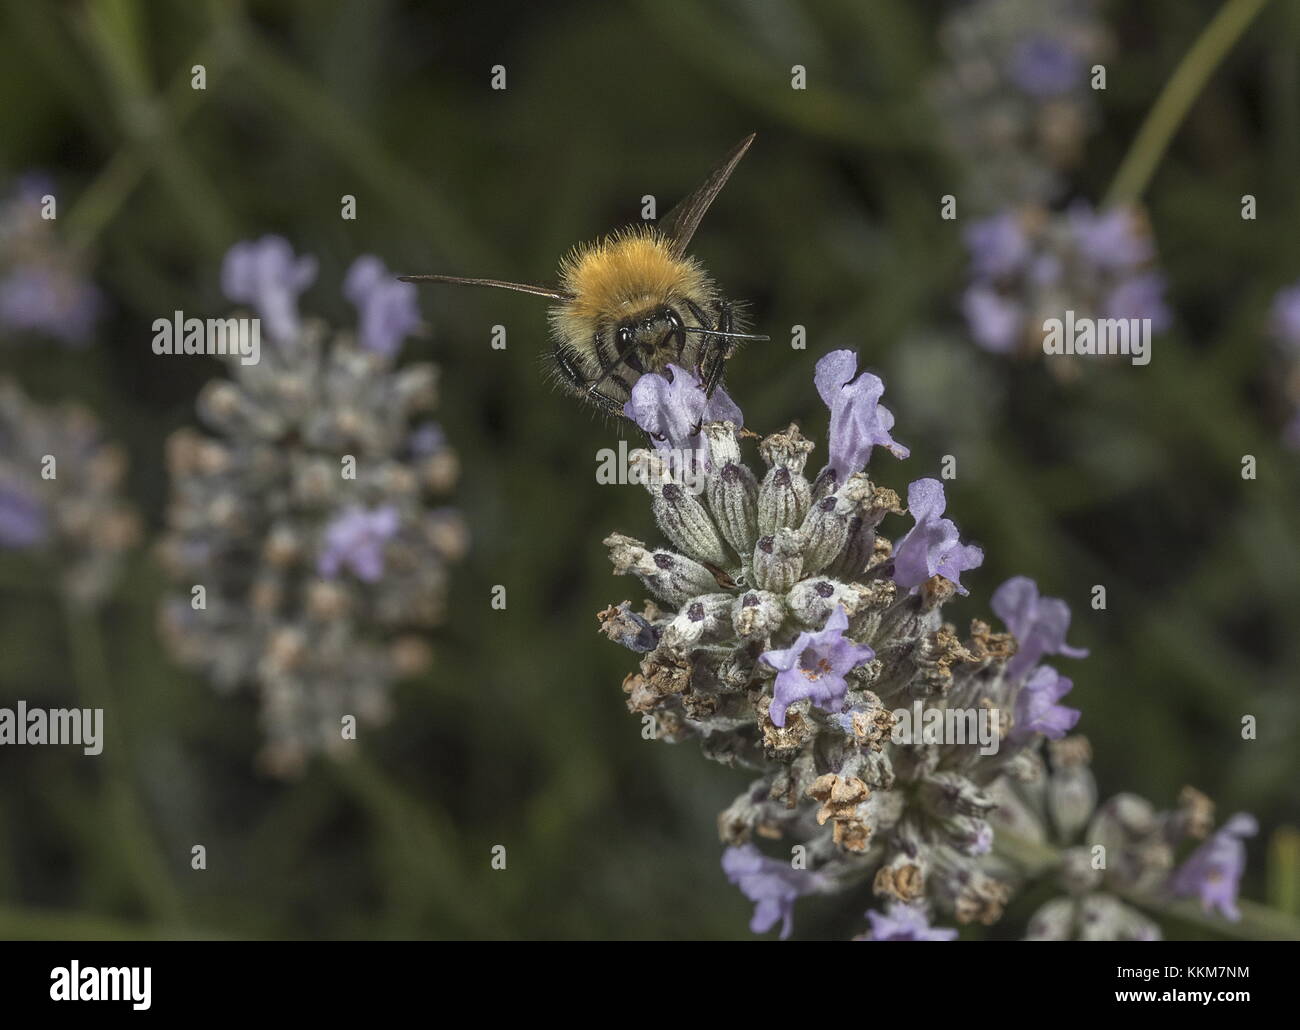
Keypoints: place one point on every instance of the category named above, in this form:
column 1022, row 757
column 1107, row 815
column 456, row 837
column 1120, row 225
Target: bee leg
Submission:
column 706, row 322
column 572, row 375
column 718, row 350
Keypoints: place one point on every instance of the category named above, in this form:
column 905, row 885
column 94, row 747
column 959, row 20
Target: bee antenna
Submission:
column 719, row 332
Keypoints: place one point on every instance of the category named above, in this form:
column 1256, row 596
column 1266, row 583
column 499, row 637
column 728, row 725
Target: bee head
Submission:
column 650, row 339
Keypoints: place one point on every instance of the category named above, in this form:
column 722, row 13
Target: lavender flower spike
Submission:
column 356, row 539
column 905, row 923
column 814, row 667
column 672, row 408
column 388, row 309
column 859, row 421
column 1213, row 871
column 1039, row 624
column 774, row 886
column 1036, row 708
column 932, row 547
column 266, row 275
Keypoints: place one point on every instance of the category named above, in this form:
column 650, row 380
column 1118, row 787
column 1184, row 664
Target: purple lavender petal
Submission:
column 1044, row 67
column 265, row 275
column 355, row 540
column 23, row 520
column 994, row 321
column 673, row 407
column 1213, row 871
column 388, row 309
column 1140, row 296
column 1285, row 317
column 1039, row 624
column 50, row 300
column 859, row 421
column 814, row 667
column 771, row 884
column 1036, row 709
column 906, row 923
column 1109, row 239
column 931, row 547
column 998, row 245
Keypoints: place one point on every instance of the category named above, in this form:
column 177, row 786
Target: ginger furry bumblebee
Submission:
column 634, row 301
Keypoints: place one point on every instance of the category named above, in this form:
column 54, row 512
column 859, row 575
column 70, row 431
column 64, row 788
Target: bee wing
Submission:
column 501, row 284
column 680, row 223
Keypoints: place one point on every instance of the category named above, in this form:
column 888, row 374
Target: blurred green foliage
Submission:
column 1127, row 477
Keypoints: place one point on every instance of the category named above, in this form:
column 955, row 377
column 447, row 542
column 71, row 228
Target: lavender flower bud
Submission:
column 702, row 619
column 1053, row 922
column 757, row 614
column 1103, row 918
column 679, row 514
column 812, row 600
column 626, row 627
column 672, row 577
column 783, row 500
column 723, row 443
column 1071, row 798
column 1078, row 874
column 860, row 538
column 784, row 496
column 778, row 561
column 732, row 493
column 949, row 794
column 826, row 529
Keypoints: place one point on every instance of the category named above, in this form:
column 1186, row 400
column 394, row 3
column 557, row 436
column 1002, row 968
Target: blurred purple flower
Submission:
column 355, row 539
column 1109, row 239
column 932, row 546
column 426, row 439
column 905, row 923
column 1044, row 66
column 1037, row 710
column 998, row 245
column 994, row 320
column 1286, row 316
column 672, row 407
column 42, row 289
column 265, row 275
column 1213, row 871
column 1140, row 296
column 389, row 310
column 23, row 521
column 981, row 841
column 773, row 885
column 1039, row 624
column 859, row 421
column 814, row 667
column 49, row 299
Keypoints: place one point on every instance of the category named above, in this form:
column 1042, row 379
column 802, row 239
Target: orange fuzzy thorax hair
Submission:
column 625, row 273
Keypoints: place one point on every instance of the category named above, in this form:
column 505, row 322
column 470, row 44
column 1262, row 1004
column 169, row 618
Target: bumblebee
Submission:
column 633, row 302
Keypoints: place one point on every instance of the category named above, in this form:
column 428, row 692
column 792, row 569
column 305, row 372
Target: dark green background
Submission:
column 1127, row 477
